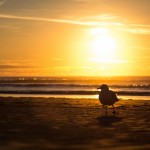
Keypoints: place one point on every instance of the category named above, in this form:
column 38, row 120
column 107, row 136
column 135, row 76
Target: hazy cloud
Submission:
column 13, row 67
column 83, row 0
column 2, row 2
column 136, row 28
column 57, row 59
column 47, row 20
column 105, row 20
column 16, row 63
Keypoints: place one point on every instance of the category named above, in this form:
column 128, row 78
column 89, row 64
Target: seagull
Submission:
column 107, row 97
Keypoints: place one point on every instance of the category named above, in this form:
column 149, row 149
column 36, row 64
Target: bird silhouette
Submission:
column 107, row 97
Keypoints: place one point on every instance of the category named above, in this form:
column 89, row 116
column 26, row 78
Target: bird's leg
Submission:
column 106, row 109
column 114, row 112
column 103, row 107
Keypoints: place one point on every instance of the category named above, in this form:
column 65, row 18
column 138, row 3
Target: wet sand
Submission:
column 71, row 124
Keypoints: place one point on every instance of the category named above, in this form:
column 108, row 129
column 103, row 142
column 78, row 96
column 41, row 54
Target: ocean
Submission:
column 75, row 87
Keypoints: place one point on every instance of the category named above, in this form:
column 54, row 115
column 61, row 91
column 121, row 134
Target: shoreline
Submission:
column 123, row 97
column 64, row 123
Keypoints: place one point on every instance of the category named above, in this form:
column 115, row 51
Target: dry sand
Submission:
column 70, row 124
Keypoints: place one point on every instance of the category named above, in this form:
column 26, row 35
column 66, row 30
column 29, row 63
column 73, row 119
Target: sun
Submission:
column 103, row 44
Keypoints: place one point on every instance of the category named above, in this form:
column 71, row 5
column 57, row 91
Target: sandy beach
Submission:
column 63, row 123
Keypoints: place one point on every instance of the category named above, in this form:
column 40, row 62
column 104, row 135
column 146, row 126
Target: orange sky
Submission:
column 74, row 37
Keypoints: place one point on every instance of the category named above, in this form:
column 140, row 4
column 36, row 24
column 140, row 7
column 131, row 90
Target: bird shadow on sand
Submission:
column 108, row 120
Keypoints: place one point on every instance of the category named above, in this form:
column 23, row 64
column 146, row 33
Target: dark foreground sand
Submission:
column 66, row 124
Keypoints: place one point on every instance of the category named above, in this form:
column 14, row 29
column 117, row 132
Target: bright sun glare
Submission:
column 103, row 45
